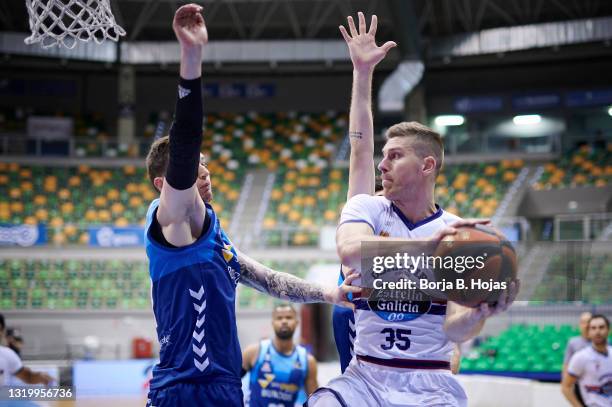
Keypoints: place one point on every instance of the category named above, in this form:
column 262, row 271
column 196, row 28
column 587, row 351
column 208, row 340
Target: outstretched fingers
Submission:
column 346, row 36
column 373, row 25
column 362, row 23
column 351, row 25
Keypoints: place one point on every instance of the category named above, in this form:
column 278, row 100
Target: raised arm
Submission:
column 365, row 54
column 288, row 287
column 181, row 210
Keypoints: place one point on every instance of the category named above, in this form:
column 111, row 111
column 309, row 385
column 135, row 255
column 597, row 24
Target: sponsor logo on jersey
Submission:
column 228, row 255
column 231, row 261
column 265, row 382
column 397, row 306
column 266, row 367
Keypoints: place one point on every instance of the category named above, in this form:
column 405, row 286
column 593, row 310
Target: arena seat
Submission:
column 68, row 199
column 521, row 349
column 300, row 205
column 585, row 166
column 100, row 284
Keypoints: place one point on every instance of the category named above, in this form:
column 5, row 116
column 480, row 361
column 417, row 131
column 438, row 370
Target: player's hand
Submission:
column 339, row 295
column 452, row 229
column 189, row 26
column 506, row 298
column 365, row 54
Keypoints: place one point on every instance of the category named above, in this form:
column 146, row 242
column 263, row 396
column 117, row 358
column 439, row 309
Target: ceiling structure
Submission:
column 415, row 24
column 319, row 19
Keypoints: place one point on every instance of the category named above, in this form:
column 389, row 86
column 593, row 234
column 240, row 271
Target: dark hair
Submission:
column 428, row 142
column 602, row 317
column 2, row 323
column 157, row 158
column 284, row 305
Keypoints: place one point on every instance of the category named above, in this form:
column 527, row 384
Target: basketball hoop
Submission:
column 63, row 22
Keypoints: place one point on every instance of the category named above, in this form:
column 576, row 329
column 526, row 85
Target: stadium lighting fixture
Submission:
column 449, row 120
column 527, row 120
column 610, row 111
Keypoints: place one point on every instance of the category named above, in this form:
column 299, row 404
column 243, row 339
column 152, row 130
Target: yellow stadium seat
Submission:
column 67, row 208
column 59, row 238
column 269, row 223
column 15, row 193
column 64, row 193
column 70, row 230
column 41, row 214
column 74, row 181
column 84, row 238
column 135, row 201
column 284, row 208
column 56, row 222
column 121, row 222
column 329, row 215
column 100, row 201
column 277, row 194
column 294, row 216
column 112, row 194
column 117, row 208
column 16, row 207
column 91, row 215
column 509, row 176
column 40, row 200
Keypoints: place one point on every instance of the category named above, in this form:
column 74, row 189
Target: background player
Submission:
column 365, row 55
column 575, row 344
column 591, row 367
column 10, row 364
column 278, row 367
column 193, row 266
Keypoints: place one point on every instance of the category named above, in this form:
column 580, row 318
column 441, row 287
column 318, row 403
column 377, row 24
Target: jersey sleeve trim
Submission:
column 358, row 221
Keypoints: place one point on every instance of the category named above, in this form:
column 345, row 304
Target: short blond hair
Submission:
column 426, row 142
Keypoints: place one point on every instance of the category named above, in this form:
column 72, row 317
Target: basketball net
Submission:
column 63, row 22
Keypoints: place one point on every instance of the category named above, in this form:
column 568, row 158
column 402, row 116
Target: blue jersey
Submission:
column 193, row 293
column 277, row 378
column 343, row 322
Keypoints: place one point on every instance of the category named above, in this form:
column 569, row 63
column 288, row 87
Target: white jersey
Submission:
column 9, row 364
column 383, row 330
column 594, row 373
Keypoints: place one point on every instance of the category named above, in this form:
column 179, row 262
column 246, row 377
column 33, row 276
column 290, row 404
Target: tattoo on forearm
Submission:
column 356, row 134
column 277, row 284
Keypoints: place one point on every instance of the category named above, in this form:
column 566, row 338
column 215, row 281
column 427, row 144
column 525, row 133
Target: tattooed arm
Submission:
column 289, row 287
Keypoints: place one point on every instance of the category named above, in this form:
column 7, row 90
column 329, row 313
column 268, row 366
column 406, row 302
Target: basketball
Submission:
column 482, row 258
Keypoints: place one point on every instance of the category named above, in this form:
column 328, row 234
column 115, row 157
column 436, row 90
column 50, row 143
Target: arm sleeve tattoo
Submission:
column 278, row 284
